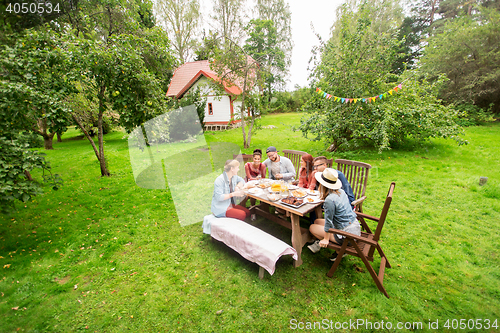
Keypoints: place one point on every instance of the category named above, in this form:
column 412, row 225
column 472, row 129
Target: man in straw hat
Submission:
column 338, row 212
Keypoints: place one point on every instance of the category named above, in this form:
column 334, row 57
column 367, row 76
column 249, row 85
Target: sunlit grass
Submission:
column 136, row 268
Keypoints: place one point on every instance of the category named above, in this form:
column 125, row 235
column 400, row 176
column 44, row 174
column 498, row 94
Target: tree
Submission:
column 210, row 43
column 467, row 53
column 180, row 18
column 117, row 72
column 35, row 80
column 105, row 18
column 357, row 64
column 278, row 12
column 228, row 19
column 244, row 71
column 262, row 44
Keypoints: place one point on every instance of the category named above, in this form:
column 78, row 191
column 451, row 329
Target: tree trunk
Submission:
column 47, row 141
column 250, row 128
column 41, row 129
column 242, row 111
column 59, row 137
column 100, row 136
column 87, row 135
column 28, row 175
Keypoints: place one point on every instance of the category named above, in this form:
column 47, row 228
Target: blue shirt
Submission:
column 221, row 188
column 338, row 211
column 345, row 186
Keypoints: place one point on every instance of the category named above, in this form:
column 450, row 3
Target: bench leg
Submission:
column 261, row 272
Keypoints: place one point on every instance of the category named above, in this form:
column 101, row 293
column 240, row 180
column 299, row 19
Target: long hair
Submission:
column 325, row 191
column 309, row 163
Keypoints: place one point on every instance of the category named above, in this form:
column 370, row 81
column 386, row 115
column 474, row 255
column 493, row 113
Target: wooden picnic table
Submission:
column 300, row 236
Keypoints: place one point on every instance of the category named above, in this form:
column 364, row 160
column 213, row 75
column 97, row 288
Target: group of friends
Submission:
column 314, row 174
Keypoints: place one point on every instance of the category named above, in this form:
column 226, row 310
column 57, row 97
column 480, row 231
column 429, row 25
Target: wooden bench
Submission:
column 250, row 242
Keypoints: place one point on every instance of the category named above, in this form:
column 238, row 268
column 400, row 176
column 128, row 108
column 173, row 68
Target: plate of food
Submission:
column 298, row 193
column 312, row 200
column 293, row 201
column 292, row 187
column 312, row 192
column 254, row 190
column 273, row 196
column 264, row 185
column 250, row 185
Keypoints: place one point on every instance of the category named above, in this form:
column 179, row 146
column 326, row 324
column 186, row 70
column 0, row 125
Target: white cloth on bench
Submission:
column 250, row 242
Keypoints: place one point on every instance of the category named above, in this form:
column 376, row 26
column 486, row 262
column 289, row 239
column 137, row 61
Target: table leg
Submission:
column 297, row 239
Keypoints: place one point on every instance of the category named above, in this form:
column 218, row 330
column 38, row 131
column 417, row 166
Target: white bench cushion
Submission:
column 250, row 242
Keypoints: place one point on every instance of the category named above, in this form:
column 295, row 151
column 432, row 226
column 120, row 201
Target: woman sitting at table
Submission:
column 306, row 174
column 338, row 212
column 255, row 169
column 226, row 187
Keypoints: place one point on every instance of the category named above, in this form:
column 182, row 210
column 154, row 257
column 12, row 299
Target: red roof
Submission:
column 187, row 74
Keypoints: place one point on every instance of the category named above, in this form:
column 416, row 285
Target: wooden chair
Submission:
column 329, row 162
column 365, row 245
column 357, row 175
column 294, row 156
column 243, row 159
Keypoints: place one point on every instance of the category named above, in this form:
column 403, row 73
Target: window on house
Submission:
column 210, row 109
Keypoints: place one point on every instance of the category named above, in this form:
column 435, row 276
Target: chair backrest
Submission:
column 329, row 162
column 383, row 215
column 243, row 159
column 356, row 174
column 294, row 156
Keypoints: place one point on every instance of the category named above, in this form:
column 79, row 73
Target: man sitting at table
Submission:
column 319, row 165
column 279, row 167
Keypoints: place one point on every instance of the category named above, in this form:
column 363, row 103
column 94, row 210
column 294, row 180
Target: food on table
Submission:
column 250, row 185
column 264, row 185
column 310, row 199
column 273, row 197
column 276, row 187
column 292, row 201
column 299, row 193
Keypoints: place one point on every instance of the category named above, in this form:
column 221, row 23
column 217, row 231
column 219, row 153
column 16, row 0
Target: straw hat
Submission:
column 329, row 178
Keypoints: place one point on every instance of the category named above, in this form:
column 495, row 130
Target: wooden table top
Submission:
column 261, row 195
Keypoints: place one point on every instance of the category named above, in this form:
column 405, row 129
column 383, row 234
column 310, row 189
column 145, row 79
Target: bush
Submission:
column 31, row 139
column 472, row 115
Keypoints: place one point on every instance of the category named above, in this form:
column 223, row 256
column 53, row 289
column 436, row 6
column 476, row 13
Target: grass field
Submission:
column 105, row 255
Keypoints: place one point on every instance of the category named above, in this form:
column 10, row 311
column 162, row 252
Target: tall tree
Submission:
column 116, row 71
column 262, row 45
column 180, row 19
column 278, row 11
column 228, row 19
column 467, row 53
column 36, row 78
column 244, row 71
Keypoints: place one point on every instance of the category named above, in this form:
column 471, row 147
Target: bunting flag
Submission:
column 360, row 99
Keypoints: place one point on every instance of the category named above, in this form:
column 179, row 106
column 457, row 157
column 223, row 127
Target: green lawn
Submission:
column 104, row 255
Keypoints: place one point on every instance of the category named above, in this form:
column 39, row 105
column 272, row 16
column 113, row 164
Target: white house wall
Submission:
column 221, row 105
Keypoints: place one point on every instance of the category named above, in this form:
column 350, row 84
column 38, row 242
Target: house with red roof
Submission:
column 221, row 110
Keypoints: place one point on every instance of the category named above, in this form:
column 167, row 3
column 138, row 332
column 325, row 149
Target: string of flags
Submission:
column 360, row 99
